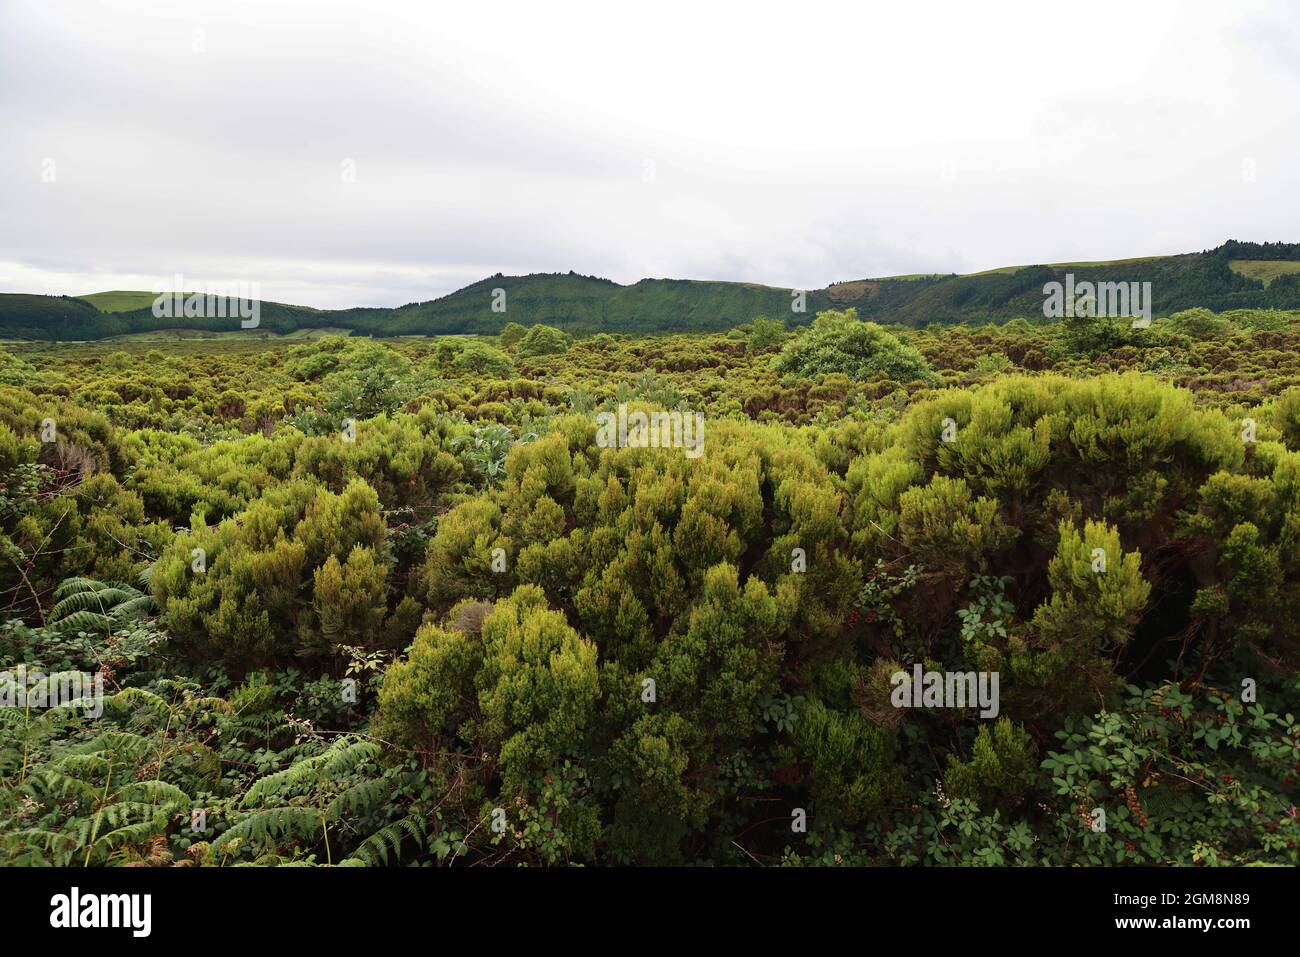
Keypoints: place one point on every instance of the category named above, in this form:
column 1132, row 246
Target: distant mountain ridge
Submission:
column 1234, row 275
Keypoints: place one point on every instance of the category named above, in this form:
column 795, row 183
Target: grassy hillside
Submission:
column 170, row 335
column 133, row 300
column 1059, row 267
column 1264, row 270
column 121, row 300
column 1234, row 276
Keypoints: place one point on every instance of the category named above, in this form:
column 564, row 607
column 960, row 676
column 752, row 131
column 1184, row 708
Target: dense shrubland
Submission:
column 437, row 622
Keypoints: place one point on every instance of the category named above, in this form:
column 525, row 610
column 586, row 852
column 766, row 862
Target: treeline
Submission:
column 587, row 305
column 1236, row 249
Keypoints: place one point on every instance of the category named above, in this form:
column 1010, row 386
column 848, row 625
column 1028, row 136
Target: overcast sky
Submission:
column 377, row 153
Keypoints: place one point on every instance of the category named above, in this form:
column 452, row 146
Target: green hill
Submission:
column 1235, row 275
column 25, row 316
column 120, row 300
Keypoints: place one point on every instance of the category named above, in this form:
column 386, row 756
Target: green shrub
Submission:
column 838, row 342
column 543, row 340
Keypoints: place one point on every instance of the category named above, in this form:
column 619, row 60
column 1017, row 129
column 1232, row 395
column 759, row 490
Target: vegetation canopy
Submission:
column 354, row 602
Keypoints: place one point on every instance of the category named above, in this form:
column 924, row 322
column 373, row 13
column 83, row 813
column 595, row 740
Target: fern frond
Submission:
column 346, row 759
column 117, row 743
column 158, row 792
column 281, row 780
column 87, row 621
column 374, row 851
column 82, row 765
column 358, row 799
column 136, row 696
column 72, row 586
column 342, row 757
column 137, row 833
column 276, row 823
column 136, row 607
column 55, row 784
column 45, row 840
column 207, row 762
column 121, row 813
column 99, row 601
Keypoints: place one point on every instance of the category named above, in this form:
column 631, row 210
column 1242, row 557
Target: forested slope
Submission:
column 586, row 305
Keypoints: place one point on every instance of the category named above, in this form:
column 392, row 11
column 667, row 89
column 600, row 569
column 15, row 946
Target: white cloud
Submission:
column 792, row 145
